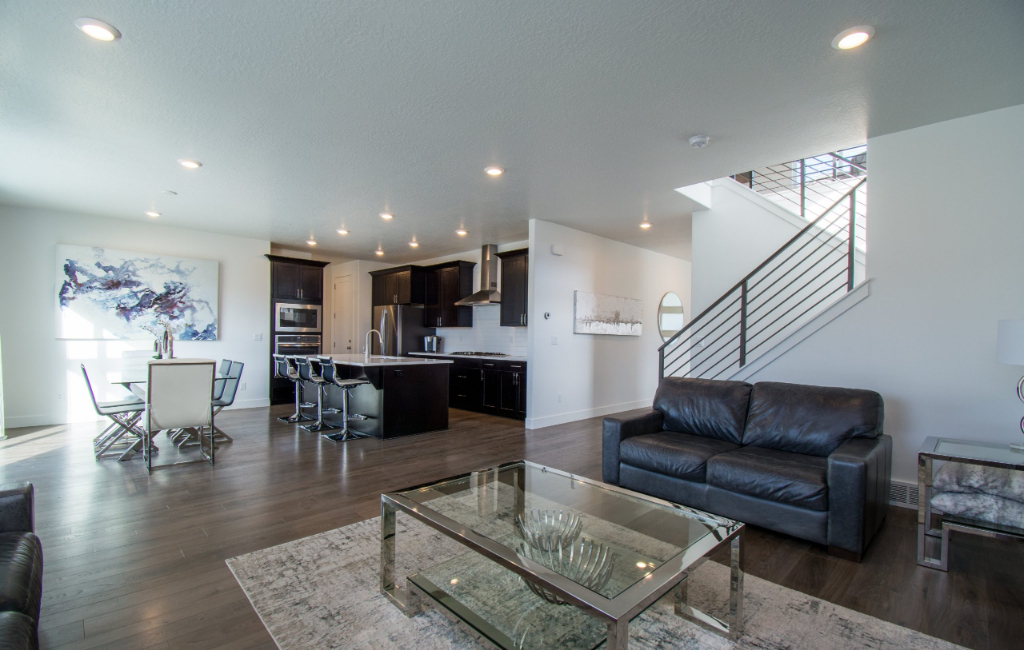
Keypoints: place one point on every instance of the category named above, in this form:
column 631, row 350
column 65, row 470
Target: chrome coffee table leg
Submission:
column 732, row 626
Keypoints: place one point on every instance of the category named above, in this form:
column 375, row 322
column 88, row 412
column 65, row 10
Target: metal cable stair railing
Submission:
column 809, row 186
column 783, row 293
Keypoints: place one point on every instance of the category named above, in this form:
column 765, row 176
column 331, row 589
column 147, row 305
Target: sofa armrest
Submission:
column 858, row 492
column 16, row 508
column 618, row 429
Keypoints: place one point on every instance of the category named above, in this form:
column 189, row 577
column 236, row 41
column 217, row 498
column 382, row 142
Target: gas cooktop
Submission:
column 480, row 354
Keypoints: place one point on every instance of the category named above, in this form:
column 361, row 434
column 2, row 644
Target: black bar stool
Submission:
column 286, row 368
column 346, row 386
column 309, row 370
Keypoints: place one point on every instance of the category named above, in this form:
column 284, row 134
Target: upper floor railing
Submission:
column 821, row 262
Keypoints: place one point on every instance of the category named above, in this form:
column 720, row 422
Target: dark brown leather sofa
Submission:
column 21, row 569
column 807, row 461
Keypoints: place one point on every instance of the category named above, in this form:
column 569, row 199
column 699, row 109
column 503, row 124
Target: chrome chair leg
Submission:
column 321, row 424
column 298, row 416
column 345, row 434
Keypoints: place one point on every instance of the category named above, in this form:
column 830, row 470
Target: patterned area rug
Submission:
column 322, row 592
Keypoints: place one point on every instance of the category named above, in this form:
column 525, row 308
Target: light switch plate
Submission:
column 554, row 340
column 257, row 337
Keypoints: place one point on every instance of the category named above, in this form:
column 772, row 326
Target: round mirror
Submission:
column 670, row 316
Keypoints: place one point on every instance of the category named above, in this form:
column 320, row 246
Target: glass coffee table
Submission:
column 549, row 559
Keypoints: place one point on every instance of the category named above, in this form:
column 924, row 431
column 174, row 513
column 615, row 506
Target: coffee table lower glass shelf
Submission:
column 640, row 548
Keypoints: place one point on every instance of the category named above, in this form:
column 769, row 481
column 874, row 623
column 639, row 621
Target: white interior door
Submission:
column 343, row 320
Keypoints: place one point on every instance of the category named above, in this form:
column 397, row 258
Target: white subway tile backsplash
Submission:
column 486, row 335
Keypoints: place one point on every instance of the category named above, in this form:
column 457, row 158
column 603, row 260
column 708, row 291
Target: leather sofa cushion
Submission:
column 812, row 420
column 17, row 632
column 703, row 407
column 779, row 476
column 680, row 455
column 21, row 573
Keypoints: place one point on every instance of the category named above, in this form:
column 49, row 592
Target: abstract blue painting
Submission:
column 111, row 294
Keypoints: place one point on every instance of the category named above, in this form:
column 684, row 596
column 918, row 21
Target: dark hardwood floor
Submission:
column 137, row 561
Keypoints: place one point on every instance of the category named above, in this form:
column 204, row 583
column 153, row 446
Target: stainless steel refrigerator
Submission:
column 401, row 327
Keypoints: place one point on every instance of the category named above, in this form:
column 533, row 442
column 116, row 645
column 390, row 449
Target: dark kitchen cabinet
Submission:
column 491, row 402
column 311, row 284
column 287, row 281
column 444, row 285
column 515, row 267
column 292, row 279
column 398, row 286
column 379, row 291
column 465, row 390
column 487, row 386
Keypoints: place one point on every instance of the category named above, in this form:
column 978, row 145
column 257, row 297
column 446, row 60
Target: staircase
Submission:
column 808, row 274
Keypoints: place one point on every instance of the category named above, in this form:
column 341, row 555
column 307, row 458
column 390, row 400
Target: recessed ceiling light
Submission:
column 494, row 171
column 645, row 225
column 152, row 213
column 190, row 164
column 98, row 29
column 461, row 232
column 414, row 244
column 311, row 242
column 379, row 252
column 641, row 565
column 342, row 231
column 387, row 216
column 853, row 37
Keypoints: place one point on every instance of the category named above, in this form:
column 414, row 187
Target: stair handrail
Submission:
column 760, row 267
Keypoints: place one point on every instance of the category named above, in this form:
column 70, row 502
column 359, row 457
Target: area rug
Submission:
column 323, row 592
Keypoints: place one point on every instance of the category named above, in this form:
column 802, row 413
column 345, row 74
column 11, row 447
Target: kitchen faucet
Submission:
column 366, row 345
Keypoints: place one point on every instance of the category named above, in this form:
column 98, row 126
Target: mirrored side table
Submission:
column 970, row 453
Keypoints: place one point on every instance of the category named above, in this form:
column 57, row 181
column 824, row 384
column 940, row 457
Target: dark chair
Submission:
column 311, row 370
column 285, row 367
column 228, row 390
column 21, row 569
column 346, row 386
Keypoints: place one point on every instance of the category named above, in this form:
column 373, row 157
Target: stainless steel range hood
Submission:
column 488, row 293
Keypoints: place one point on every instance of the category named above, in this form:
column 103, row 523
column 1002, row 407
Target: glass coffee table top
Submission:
column 639, row 533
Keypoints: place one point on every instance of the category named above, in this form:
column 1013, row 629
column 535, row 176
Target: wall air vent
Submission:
column 903, row 494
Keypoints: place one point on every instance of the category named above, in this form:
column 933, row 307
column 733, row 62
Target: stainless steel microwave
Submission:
column 295, row 317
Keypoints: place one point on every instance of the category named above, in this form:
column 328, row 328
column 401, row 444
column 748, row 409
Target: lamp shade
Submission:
column 1010, row 342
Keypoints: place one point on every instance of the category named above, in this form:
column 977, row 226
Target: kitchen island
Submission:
column 404, row 396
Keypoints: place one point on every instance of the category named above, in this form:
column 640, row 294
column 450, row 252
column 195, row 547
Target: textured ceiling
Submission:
column 309, row 115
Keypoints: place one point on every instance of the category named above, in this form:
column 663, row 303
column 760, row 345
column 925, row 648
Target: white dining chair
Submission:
column 179, row 395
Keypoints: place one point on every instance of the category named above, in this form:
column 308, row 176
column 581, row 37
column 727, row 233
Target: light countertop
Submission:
column 465, row 356
column 358, row 360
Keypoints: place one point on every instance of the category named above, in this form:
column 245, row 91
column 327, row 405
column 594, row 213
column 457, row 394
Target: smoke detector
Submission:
column 699, row 141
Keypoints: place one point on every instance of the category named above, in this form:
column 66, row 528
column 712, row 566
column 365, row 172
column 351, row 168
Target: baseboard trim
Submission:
column 19, row 421
column 574, row 416
column 52, row 419
column 249, row 403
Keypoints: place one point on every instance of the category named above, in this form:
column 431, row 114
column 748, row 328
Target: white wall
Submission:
column 487, row 334
column 586, row 375
column 739, row 231
column 37, row 367
column 947, row 222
